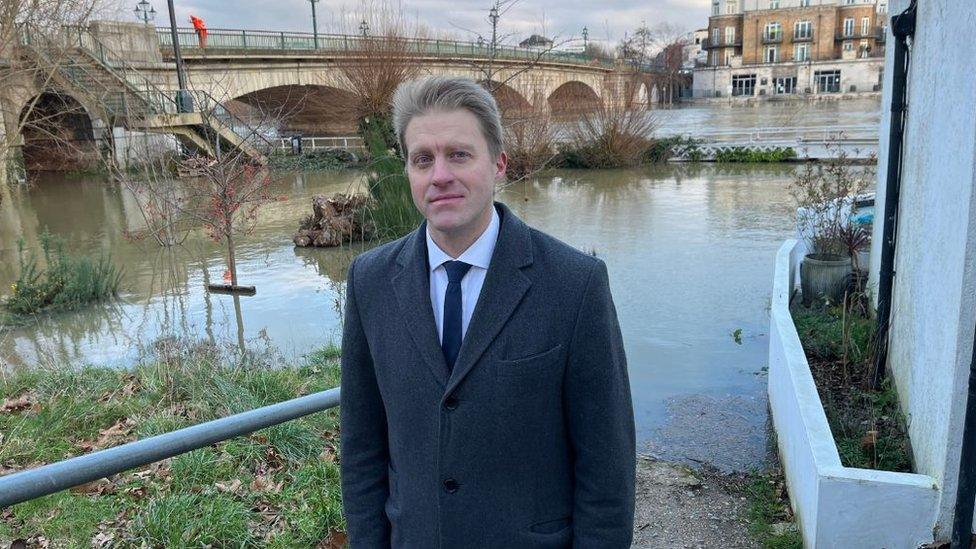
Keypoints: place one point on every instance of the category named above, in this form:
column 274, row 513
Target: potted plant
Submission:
column 825, row 194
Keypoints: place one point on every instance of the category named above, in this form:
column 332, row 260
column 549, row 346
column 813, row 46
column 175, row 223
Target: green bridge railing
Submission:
column 230, row 39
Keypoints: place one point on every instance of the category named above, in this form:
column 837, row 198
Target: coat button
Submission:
column 451, row 403
column 451, row 485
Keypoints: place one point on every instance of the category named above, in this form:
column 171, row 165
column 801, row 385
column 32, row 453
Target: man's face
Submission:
column 452, row 174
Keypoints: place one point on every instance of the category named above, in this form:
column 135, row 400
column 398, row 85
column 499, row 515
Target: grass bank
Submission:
column 278, row 487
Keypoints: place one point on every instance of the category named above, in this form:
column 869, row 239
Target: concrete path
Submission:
column 679, row 508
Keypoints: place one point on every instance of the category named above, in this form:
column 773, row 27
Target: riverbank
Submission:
column 278, row 487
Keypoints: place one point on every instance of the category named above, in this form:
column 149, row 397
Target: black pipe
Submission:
column 962, row 522
column 902, row 26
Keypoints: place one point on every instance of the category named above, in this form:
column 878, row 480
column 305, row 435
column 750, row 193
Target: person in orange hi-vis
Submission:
column 201, row 29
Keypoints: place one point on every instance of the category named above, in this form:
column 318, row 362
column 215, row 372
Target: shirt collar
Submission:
column 478, row 254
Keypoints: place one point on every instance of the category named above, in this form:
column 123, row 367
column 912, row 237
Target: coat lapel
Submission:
column 412, row 287
column 505, row 285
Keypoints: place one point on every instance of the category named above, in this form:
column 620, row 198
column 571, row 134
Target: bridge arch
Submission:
column 572, row 97
column 58, row 134
column 310, row 109
column 509, row 100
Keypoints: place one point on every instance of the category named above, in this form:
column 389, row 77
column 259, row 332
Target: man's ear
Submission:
column 501, row 164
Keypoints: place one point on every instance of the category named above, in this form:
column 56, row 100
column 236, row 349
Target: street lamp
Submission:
column 586, row 33
column 364, row 27
column 184, row 102
column 145, row 11
column 493, row 17
column 315, row 26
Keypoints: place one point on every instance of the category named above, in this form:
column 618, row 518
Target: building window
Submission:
column 801, row 52
column 744, row 84
column 715, row 36
column 784, row 85
column 731, row 6
column 850, row 2
column 803, row 30
column 715, row 8
column 730, row 35
column 827, row 81
column 849, row 26
column 804, row 3
column 863, row 49
column 773, row 32
column 774, row 4
column 771, row 54
column 865, row 25
column 882, row 7
column 728, row 57
column 848, row 45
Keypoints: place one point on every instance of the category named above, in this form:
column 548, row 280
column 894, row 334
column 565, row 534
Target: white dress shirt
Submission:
column 478, row 255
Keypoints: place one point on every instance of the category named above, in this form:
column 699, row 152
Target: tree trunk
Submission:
column 231, row 260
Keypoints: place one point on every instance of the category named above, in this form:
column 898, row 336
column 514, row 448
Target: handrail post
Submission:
column 282, row 40
column 244, row 39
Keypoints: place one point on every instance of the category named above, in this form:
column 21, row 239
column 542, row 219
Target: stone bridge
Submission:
column 296, row 82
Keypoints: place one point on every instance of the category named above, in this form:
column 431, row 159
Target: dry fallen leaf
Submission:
column 869, row 440
column 335, row 540
column 262, row 483
column 103, row 539
column 16, row 404
column 108, row 436
column 230, row 487
column 95, row 487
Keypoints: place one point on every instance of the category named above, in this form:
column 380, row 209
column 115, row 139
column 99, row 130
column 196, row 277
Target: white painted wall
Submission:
column 934, row 300
column 860, row 73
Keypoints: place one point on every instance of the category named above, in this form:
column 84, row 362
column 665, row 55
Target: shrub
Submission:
column 67, row 283
column 319, row 159
column 609, row 136
column 746, row 154
column 391, row 210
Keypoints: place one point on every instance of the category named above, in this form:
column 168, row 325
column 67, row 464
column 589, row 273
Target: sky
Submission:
column 606, row 20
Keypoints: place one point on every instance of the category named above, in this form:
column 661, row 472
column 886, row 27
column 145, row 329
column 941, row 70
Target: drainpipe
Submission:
column 962, row 522
column 903, row 27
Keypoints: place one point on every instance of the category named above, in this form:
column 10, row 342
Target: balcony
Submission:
column 877, row 33
column 808, row 37
column 772, row 38
column 708, row 45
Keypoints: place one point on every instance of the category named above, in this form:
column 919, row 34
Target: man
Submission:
column 485, row 397
column 201, row 29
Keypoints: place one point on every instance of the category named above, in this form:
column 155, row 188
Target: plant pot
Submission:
column 824, row 276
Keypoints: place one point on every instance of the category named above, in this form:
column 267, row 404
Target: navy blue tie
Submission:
column 451, row 338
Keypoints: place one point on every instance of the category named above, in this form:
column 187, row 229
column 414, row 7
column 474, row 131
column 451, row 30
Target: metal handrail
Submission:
column 219, row 111
column 29, row 38
column 48, row 479
column 302, row 41
column 163, row 104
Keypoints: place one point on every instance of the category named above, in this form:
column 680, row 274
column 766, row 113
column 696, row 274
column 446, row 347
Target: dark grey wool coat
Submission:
column 528, row 443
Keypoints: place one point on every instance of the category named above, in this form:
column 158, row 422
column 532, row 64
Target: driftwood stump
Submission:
column 334, row 220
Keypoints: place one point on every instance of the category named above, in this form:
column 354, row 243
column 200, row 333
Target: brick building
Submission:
column 785, row 47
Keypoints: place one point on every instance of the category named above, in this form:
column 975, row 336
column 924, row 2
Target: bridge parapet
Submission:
column 229, row 40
